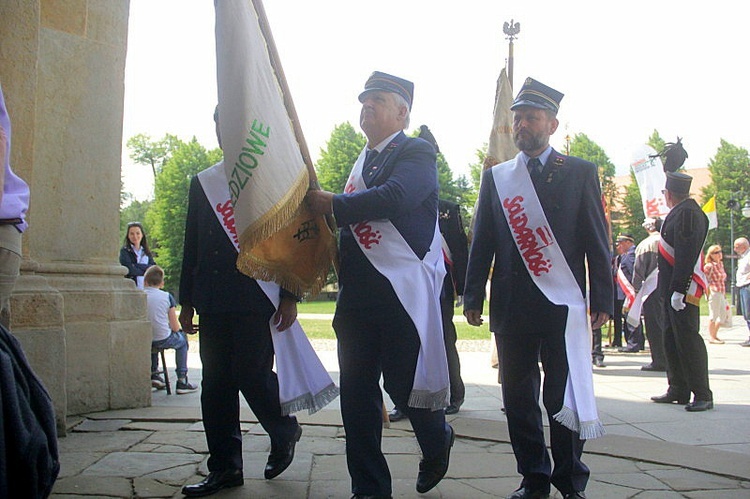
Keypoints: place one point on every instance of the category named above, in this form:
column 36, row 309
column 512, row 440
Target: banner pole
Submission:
column 273, row 55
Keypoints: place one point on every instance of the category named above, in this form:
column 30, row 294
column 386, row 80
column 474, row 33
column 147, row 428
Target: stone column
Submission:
column 82, row 325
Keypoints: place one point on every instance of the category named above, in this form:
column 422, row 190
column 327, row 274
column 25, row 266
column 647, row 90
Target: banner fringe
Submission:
column 422, row 399
column 279, row 216
column 312, row 403
column 588, row 430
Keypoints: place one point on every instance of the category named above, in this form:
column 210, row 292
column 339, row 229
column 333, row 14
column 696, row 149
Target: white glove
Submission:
column 459, row 300
column 678, row 301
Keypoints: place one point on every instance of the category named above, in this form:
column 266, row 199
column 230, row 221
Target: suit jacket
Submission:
column 130, row 260
column 685, row 229
column 570, row 196
column 452, row 230
column 402, row 187
column 210, row 281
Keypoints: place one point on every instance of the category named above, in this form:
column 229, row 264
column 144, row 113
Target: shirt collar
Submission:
column 542, row 157
column 385, row 142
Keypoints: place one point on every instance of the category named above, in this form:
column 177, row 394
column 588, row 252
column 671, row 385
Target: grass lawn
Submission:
column 321, row 329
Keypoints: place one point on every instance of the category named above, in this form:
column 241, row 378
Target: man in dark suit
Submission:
column 528, row 326
column 682, row 236
column 389, row 281
column 236, row 348
column 625, row 245
column 456, row 259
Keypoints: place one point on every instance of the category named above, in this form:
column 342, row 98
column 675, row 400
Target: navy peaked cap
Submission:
column 538, row 95
column 389, row 83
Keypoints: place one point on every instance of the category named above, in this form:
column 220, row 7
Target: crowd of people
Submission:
column 390, row 310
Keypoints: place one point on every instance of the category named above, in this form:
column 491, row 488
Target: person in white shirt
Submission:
column 165, row 329
column 742, row 280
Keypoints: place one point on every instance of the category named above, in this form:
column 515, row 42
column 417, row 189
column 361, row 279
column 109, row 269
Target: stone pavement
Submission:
column 651, row 450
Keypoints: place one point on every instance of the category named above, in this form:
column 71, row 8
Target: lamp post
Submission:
column 734, row 205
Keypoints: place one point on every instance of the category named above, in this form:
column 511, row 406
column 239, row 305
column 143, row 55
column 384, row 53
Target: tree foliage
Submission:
column 136, row 211
column 145, row 151
column 166, row 216
column 729, row 173
column 583, row 147
column 336, row 160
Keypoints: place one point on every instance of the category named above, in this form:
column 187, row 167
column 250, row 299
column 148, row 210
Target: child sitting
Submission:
column 165, row 329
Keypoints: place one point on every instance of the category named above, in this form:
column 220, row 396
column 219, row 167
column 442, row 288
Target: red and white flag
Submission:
column 649, row 173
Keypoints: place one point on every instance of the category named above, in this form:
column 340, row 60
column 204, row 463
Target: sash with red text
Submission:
column 303, row 381
column 549, row 270
column 417, row 284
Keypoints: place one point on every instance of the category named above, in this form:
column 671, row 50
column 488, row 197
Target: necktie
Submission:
column 370, row 156
column 535, row 168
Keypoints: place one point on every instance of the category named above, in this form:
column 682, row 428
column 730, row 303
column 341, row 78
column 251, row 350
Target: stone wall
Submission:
column 82, row 325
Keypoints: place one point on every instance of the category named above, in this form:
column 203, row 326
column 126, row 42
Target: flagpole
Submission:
column 273, row 55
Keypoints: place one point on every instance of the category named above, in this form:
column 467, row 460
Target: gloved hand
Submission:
column 678, row 301
column 460, row 300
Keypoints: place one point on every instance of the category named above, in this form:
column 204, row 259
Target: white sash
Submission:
column 417, row 284
column 626, row 287
column 303, row 381
column 698, row 281
column 648, row 286
column 549, row 270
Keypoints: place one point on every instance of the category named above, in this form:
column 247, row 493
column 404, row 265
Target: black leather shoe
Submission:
column 699, row 405
column 214, row 482
column 365, row 496
column 453, row 408
column 579, row 494
column 431, row 471
column 668, row 398
column 653, row 368
column 280, row 459
column 628, row 350
column 527, row 493
column 396, row 415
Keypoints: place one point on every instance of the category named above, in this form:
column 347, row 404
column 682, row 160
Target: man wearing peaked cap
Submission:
column 388, row 83
column 387, row 316
column 682, row 236
column 527, row 324
column 644, row 272
column 624, row 277
column 538, row 95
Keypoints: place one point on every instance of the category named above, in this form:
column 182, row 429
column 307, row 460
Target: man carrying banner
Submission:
column 236, row 347
column 647, row 301
column 681, row 283
column 540, row 216
column 388, row 311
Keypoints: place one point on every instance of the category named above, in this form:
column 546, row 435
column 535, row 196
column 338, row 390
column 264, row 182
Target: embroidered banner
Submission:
column 280, row 240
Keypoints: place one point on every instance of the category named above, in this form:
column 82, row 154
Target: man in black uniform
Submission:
column 682, row 237
column 236, row 348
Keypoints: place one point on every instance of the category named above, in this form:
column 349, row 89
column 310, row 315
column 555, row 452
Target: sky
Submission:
column 626, row 69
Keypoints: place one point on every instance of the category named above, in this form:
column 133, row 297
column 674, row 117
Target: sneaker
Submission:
column 157, row 381
column 185, row 387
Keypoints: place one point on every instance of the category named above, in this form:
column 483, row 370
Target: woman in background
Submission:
column 135, row 254
column 717, row 303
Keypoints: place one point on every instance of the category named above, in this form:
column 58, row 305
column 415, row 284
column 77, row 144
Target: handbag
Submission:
column 726, row 316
